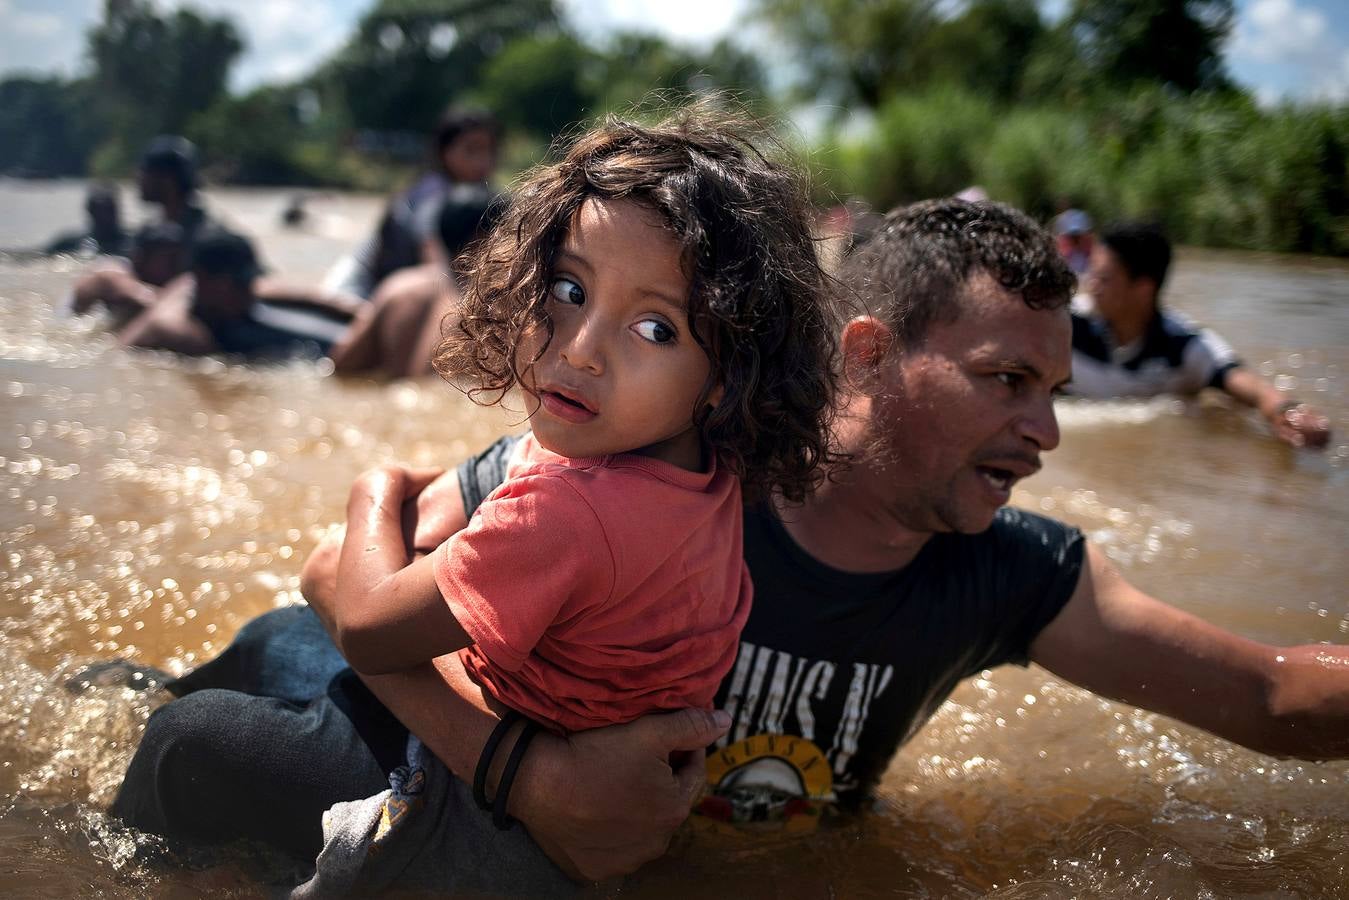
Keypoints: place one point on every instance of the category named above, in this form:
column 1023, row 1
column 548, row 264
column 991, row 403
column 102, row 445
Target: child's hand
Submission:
column 388, row 487
column 436, row 515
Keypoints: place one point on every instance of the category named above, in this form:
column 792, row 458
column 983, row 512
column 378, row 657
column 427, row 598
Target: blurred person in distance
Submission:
column 464, row 151
column 229, row 305
column 124, row 291
column 167, row 177
column 396, row 332
column 104, row 236
column 1126, row 344
column 1074, row 236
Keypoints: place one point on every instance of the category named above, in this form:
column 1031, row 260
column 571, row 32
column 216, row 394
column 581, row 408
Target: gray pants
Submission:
column 426, row 832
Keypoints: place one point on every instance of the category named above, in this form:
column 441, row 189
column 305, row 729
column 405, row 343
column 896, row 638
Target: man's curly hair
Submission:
column 912, row 271
column 757, row 292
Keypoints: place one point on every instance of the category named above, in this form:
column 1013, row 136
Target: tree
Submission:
column 45, row 126
column 853, row 51
column 537, row 84
column 1122, row 43
column 155, row 72
column 634, row 65
column 410, row 59
column 986, row 47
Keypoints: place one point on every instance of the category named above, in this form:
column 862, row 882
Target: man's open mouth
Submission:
column 1001, row 479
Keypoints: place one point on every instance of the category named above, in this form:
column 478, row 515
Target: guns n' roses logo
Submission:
column 767, row 779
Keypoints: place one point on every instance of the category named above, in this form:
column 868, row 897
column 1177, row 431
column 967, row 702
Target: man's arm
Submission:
column 169, row 326
column 600, row 803
column 1292, row 422
column 1116, row 641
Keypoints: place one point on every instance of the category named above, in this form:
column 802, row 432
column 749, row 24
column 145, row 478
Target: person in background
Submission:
column 105, row 235
column 1125, row 344
column 125, row 291
column 395, row 334
column 1073, row 234
column 465, row 152
column 168, row 179
column 227, row 306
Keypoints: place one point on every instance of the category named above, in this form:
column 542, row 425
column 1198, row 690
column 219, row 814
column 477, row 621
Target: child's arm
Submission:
column 389, row 613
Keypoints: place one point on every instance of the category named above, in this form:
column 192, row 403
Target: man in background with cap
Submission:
column 1125, row 344
column 1072, row 233
column 228, row 306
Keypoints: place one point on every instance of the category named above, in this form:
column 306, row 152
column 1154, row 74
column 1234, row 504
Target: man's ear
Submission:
column 1145, row 289
column 864, row 345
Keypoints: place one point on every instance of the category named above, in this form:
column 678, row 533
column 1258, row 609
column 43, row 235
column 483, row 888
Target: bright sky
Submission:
column 1280, row 48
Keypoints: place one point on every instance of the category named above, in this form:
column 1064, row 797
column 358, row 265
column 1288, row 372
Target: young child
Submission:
column 656, row 298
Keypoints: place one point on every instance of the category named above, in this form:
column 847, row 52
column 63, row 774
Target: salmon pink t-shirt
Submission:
column 597, row 590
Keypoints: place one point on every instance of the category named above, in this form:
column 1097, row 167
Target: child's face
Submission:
column 622, row 372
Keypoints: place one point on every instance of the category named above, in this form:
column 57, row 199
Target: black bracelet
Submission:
column 489, row 750
column 499, row 817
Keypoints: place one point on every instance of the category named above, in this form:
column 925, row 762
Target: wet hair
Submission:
column 218, row 251
column 757, row 292
column 1142, row 248
column 101, row 198
column 912, row 271
column 457, row 121
column 173, row 155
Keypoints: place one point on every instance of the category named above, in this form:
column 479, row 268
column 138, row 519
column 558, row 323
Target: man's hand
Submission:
column 1300, row 425
column 1296, row 424
column 1116, row 641
column 603, row 802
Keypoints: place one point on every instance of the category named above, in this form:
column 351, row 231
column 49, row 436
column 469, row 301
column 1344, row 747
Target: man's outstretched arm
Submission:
column 1116, row 641
column 1292, row 422
column 600, row 803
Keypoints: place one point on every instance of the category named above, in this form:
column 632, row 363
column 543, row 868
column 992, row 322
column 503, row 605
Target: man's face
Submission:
column 966, row 413
column 155, row 185
column 1113, row 290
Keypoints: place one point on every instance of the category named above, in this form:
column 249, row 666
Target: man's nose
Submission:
column 1039, row 424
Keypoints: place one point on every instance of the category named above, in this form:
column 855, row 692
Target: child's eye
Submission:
column 655, row 331
column 564, row 290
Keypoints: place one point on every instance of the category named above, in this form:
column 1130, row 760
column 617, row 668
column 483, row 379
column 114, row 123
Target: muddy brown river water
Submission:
column 149, row 506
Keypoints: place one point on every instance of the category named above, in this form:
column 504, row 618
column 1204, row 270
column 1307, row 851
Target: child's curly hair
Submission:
column 758, row 296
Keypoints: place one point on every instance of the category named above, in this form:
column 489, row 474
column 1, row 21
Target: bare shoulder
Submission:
column 416, row 282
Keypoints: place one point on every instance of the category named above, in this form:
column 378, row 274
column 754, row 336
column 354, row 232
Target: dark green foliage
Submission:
column 986, row 48
column 410, row 59
column 631, row 66
column 537, row 84
column 1214, row 169
column 850, row 52
column 1177, row 43
column 45, row 127
column 153, row 72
